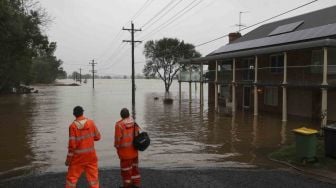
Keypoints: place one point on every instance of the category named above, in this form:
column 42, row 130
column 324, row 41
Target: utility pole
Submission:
column 132, row 41
column 93, row 72
column 80, row 75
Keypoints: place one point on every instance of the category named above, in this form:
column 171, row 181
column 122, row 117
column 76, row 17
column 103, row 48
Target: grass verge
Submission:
column 287, row 154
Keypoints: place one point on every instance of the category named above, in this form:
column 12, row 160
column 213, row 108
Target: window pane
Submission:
column 280, row 63
column 277, row 63
column 317, row 60
column 271, row 96
column 273, row 63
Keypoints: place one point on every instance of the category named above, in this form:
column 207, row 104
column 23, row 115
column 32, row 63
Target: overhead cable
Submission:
column 165, row 13
column 178, row 15
column 158, row 13
column 258, row 23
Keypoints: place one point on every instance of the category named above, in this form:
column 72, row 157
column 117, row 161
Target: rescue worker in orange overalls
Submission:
column 128, row 155
column 81, row 154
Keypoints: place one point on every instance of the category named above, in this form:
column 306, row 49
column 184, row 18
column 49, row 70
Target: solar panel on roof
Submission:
column 325, row 31
column 285, row 28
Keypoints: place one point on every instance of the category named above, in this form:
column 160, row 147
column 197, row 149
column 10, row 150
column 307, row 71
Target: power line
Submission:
column 115, row 52
column 171, row 8
column 178, row 15
column 117, row 48
column 111, row 44
column 258, row 23
column 279, row 15
column 138, row 13
column 210, row 41
column 116, row 60
column 169, row 19
column 158, row 13
column 142, row 9
column 200, row 8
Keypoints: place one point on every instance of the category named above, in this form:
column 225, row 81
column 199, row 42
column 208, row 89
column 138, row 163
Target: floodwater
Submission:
column 34, row 128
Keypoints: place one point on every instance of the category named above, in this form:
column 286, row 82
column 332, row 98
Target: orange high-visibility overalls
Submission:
column 82, row 155
column 124, row 134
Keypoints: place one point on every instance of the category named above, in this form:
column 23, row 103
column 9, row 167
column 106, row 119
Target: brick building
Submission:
column 286, row 67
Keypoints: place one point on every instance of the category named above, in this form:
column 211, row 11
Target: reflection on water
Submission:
column 15, row 133
column 35, row 128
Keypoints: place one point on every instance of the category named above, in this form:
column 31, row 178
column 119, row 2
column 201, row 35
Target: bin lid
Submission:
column 305, row 131
column 330, row 126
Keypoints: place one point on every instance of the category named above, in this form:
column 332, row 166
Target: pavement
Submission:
column 184, row 178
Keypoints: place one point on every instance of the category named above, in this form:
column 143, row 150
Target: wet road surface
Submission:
column 184, row 178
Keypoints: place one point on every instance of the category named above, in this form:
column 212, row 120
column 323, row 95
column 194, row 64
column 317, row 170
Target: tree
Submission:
column 22, row 42
column 46, row 67
column 162, row 58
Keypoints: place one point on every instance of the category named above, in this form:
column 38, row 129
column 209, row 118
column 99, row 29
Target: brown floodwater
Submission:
column 34, row 128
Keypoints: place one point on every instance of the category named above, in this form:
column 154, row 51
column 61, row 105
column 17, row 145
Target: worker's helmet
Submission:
column 78, row 111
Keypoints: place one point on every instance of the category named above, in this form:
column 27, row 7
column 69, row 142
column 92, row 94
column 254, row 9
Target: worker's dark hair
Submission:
column 124, row 113
column 78, row 111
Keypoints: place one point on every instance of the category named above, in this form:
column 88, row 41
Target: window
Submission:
column 271, row 96
column 248, row 69
column 332, row 64
column 316, row 62
column 277, row 63
column 225, row 73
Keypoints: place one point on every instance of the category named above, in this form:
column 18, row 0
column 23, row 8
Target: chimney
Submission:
column 234, row 36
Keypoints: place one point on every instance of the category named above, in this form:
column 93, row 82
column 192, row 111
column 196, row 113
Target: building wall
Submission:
column 296, row 72
column 239, row 97
column 211, row 86
column 299, row 102
column 268, row 108
column 302, row 74
column 332, row 105
column 303, row 101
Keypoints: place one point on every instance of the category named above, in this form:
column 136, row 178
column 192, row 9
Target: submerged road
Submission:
column 193, row 178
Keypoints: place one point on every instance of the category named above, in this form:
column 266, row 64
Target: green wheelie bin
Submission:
column 306, row 141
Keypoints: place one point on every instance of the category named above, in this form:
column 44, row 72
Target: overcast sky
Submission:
column 92, row 29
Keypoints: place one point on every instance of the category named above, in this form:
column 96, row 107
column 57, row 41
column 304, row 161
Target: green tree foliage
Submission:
column 162, row 58
column 45, row 67
column 22, row 43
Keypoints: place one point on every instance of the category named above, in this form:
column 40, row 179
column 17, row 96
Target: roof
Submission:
column 310, row 26
column 258, row 51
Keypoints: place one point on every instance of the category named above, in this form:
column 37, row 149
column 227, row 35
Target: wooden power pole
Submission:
column 93, row 72
column 132, row 41
column 80, row 75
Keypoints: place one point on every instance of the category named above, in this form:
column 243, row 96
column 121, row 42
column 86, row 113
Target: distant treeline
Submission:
column 76, row 76
column 26, row 54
